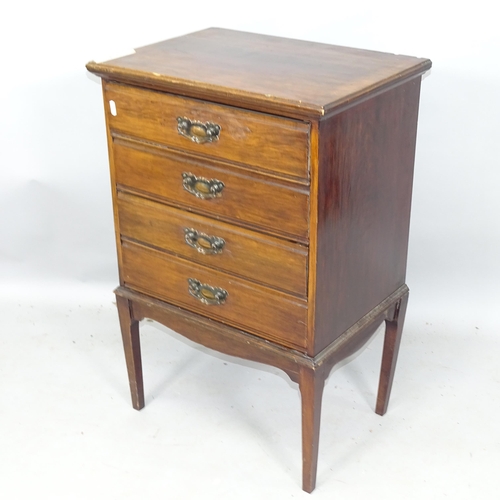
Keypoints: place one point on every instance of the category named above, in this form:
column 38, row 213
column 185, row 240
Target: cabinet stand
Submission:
column 309, row 373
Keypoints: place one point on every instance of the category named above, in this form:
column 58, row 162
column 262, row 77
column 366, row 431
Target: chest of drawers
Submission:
column 262, row 191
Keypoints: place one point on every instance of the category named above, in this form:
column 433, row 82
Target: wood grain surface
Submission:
column 314, row 166
column 251, row 255
column 265, row 73
column 256, row 309
column 366, row 158
column 268, row 142
column 246, row 198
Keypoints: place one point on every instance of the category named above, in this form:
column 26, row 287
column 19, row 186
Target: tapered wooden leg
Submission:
column 131, row 343
column 311, row 383
column 392, row 340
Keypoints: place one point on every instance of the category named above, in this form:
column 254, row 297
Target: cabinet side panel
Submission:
column 111, row 156
column 366, row 158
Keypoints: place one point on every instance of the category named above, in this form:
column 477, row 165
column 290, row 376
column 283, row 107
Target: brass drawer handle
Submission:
column 197, row 131
column 205, row 244
column 201, row 187
column 210, row 295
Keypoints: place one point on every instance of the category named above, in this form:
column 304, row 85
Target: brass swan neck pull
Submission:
column 205, row 244
column 210, row 295
column 201, row 187
column 197, row 131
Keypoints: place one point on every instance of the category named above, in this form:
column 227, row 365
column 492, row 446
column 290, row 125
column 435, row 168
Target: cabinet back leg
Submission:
column 392, row 340
column 132, row 345
column 311, row 384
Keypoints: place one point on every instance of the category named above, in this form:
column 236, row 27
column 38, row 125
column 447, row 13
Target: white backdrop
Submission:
column 64, row 403
column 55, row 208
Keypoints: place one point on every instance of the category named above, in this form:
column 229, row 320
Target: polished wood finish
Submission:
column 311, row 384
column 364, row 197
column 312, row 168
column 392, row 340
column 245, row 137
column 254, row 308
column 309, row 372
column 238, row 343
column 245, row 252
column 132, row 346
column 247, row 198
column 264, row 73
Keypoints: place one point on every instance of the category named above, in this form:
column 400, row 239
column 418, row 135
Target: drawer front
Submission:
column 250, row 307
column 265, row 259
column 249, row 199
column 265, row 141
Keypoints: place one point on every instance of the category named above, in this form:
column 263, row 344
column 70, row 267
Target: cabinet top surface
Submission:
column 265, row 72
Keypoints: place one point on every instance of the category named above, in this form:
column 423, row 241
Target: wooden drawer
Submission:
column 272, row 261
column 264, row 141
column 251, row 307
column 250, row 199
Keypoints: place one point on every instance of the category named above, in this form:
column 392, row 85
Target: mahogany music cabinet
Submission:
column 261, row 191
